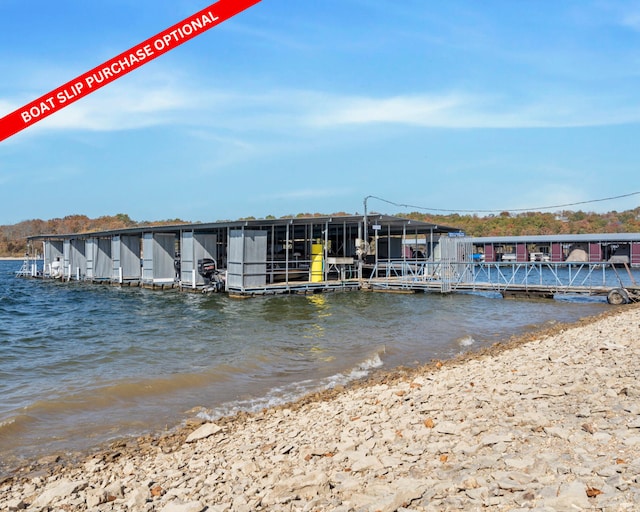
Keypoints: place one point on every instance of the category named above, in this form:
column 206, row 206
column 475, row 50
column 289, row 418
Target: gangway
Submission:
column 509, row 279
column 529, row 279
column 29, row 267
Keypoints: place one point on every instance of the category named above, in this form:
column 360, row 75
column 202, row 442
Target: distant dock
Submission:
column 524, row 280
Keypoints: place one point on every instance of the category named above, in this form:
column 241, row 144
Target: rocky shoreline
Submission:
column 549, row 421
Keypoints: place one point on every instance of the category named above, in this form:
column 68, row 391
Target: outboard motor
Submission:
column 176, row 265
column 208, row 269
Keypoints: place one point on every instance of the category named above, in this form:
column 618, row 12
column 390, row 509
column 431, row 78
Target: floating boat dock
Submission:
column 617, row 248
column 242, row 258
column 337, row 253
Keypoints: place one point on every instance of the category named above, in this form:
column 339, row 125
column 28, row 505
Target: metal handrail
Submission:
column 500, row 276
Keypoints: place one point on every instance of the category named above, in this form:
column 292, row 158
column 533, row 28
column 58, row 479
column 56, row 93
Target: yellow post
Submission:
column 317, row 263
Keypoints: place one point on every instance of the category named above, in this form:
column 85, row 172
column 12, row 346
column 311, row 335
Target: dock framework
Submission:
column 459, row 271
column 336, row 253
column 616, row 248
column 242, row 258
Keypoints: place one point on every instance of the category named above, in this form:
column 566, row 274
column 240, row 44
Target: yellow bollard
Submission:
column 317, row 263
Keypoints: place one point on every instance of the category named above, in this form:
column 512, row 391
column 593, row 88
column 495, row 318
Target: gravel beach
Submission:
column 548, row 421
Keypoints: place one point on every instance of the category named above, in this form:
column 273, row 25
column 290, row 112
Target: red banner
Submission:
column 120, row 65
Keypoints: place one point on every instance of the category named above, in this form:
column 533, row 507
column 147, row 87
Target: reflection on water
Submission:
column 110, row 361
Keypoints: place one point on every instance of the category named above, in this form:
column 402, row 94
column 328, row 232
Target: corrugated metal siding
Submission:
column 78, row 258
column 187, row 260
column 158, row 257
column 635, row 253
column 556, row 253
column 102, row 262
column 489, row 253
column 130, row 257
column 147, row 257
column 66, row 261
column 247, row 259
column 164, row 257
column 194, row 247
column 53, row 249
column 90, row 250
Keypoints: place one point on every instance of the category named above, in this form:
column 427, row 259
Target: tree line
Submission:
column 13, row 238
column 537, row 223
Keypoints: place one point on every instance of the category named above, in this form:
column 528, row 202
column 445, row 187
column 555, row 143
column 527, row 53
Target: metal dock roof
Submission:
column 394, row 224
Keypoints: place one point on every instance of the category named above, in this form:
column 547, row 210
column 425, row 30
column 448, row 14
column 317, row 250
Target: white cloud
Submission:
column 417, row 110
column 631, row 20
column 133, row 102
column 168, row 99
column 455, row 110
column 6, row 107
column 122, row 107
column 626, row 14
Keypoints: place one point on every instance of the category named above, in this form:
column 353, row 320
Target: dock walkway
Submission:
column 297, row 288
column 510, row 280
column 527, row 280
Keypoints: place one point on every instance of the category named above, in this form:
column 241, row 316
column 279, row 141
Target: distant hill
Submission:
column 13, row 237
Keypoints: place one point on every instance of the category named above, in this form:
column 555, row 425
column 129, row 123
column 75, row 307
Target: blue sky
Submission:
column 305, row 106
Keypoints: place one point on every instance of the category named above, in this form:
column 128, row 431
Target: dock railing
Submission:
column 450, row 276
column 565, row 277
column 29, row 267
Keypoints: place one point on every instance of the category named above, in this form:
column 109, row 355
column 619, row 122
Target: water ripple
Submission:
column 77, row 358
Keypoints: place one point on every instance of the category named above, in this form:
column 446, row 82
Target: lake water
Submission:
column 81, row 364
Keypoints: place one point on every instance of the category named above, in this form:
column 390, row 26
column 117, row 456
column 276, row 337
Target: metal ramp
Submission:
column 444, row 275
column 29, row 268
column 456, row 271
